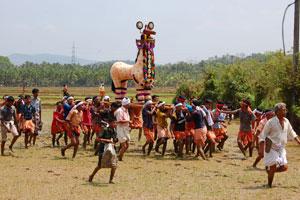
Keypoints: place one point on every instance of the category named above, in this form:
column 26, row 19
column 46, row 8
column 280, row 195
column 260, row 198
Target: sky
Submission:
column 187, row 30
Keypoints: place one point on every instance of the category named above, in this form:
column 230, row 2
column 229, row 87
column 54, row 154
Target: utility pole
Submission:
column 296, row 49
column 73, row 59
column 296, row 37
column 294, row 99
column 282, row 26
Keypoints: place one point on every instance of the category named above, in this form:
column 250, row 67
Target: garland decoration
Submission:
column 147, row 44
column 148, row 61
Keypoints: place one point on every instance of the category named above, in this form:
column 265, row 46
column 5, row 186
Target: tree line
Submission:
column 262, row 78
column 46, row 74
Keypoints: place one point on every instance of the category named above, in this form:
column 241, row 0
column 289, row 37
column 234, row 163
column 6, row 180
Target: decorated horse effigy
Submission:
column 142, row 72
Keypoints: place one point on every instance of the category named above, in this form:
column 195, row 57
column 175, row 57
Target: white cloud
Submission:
column 22, row 27
column 50, row 28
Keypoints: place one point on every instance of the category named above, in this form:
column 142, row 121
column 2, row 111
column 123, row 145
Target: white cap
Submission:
column 257, row 111
column 161, row 104
column 179, row 104
column 148, row 103
column 70, row 97
column 125, row 101
column 106, row 98
column 79, row 104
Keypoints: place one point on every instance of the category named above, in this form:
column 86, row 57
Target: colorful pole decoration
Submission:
column 147, row 44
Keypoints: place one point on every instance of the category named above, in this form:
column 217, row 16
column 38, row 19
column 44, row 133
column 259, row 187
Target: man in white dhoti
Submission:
column 273, row 140
column 123, row 130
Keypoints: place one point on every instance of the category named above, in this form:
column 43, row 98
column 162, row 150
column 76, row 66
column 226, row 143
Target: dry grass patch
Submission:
column 41, row 173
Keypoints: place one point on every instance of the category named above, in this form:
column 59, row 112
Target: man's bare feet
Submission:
column 62, row 152
column 91, row 178
column 111, row 182
column 157, row 150
column 244, row 153
column 11, row 149
column 119, row 158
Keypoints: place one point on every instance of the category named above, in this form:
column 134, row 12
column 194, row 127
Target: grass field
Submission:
column 41, row 173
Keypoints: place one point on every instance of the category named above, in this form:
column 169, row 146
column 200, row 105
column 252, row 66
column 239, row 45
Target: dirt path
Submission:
column 41, row 173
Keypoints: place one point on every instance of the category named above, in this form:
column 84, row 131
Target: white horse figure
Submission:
column 142, row 72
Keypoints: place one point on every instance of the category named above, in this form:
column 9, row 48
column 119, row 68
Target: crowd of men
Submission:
column 194, row 126
column 22, row 115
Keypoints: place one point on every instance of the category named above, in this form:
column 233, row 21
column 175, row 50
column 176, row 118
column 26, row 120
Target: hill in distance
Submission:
column 19, row 59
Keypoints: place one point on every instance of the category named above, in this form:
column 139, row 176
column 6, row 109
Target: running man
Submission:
column 9, row 123
column 274, row 137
